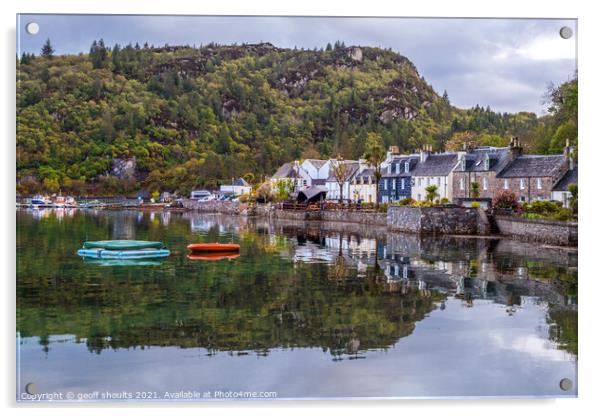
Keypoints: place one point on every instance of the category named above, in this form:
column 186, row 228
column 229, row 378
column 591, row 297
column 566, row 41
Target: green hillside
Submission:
column 176, row 118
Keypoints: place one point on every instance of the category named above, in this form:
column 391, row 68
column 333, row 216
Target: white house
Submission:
column 434, row 169
column 332, row 185
column 238, row 187
column 560, row 191
column 317, row 169
column 292, row 171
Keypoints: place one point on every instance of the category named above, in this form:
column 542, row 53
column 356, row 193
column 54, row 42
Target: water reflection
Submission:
column 348, row 290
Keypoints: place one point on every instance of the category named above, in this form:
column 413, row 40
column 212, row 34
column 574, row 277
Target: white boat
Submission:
column 40, row 200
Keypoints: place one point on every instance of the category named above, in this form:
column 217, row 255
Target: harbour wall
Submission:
column 558, row 233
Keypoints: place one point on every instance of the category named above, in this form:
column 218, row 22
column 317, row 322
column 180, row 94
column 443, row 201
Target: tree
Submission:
column 375, row 155
column 47, row 50
column 339, row 171
column 475, row 190
column 431, row 193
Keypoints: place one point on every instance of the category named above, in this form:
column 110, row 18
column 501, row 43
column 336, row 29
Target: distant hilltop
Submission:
column 124, row 117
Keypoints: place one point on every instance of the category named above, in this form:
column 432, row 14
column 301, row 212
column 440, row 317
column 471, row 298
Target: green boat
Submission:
column 123, row 244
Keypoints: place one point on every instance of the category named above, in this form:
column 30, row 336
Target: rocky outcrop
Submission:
column 124, row 168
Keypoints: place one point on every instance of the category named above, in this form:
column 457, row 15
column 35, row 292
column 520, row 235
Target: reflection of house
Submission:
column 434, row 169
column 363, row 186
column 560, row 191
column 238, row 187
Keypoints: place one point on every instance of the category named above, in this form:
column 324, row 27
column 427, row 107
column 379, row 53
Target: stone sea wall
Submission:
column 437, row 220
column 557, row 233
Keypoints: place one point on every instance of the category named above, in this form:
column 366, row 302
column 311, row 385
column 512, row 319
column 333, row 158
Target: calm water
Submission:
column 318, row 310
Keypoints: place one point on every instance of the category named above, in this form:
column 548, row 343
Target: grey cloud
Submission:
column 457, row 55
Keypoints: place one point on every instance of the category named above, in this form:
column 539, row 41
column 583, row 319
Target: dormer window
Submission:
column 407, row 167
column 487, row 161
column 389, row 168
column 463, row 163
column 397, row 168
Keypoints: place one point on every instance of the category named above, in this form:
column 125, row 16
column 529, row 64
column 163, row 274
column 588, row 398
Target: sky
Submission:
column 506, row 64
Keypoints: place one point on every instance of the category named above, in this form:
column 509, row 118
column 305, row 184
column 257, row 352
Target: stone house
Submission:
column 533, row 177
column 396, row 181
column 434, row 169
column 482, row 165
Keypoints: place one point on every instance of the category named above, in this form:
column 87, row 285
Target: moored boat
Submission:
column 213, row 247
column 123, row 244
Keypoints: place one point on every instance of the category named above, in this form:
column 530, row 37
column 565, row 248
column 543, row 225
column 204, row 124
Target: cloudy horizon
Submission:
column 505, row 64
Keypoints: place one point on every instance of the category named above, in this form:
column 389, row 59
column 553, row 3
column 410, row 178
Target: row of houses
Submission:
column 530, row 177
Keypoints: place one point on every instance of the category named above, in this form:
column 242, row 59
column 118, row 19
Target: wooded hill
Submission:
column 179, row 117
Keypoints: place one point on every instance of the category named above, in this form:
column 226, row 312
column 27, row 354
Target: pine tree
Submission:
column 47, row 50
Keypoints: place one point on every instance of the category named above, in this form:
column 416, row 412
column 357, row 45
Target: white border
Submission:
column 590, row 151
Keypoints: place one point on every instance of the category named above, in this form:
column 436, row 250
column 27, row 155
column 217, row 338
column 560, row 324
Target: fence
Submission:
column 328, row 206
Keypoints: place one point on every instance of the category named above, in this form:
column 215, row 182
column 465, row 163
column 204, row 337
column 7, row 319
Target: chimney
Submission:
column 515, row 147
column 424, row 153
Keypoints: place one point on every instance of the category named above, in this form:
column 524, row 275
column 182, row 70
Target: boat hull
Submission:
column 123, row 245
column 213, row 247
column 99, row 253
column 213, row 256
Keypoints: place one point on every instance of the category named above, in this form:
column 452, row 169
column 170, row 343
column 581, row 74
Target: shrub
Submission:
column 406, row 201
column 444, row 201
column 475, row 204
column 505, row 200
column 544, row 208
column 573, row 189
column 383, row 207
column 563, row 214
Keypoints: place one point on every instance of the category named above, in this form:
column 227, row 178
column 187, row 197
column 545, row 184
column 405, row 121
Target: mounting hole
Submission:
column 31, row 388
column 32, row 28
column 566, row 384
column 566, row 32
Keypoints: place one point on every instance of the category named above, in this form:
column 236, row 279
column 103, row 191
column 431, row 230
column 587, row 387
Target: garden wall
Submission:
column 558, row 233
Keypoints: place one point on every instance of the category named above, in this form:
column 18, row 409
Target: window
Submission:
column 439, row 182
column 428, row 181
column 463, row 163
column 462, row 184
column 539, row 183
column 407, row 167
column 419, row 183
column 487, row 162
column 385, row 185
column 505, row 183
column 522, row 184
column 397, row 167
column 393, row 184
column 419, row 197
column 403, row 183
column 485, row 184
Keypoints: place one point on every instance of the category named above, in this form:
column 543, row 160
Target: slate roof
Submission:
column 366, row 173
column 351, row 168
column 569, row 177
column 240, row 182
column 499, row 157
column 318, row 163
column 438, row 164
column 286, row 171
column 533, row 166
column 312, row 193
column 401, row 160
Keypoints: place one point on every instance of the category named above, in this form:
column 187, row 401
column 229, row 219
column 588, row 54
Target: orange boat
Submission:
column 213, row 247
column 213, row 256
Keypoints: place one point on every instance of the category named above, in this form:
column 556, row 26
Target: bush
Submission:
column 444, row 201
column 406, row 201
column 562, row 215
column 383, row 207
column 505, row 200
column 544, row 208
column 475, row 204
column 422, row 204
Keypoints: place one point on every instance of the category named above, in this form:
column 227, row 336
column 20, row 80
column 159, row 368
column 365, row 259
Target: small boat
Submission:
column 123, row 249
column 99, row 253
column 123, row 244
column 40, row 200
column 213, row 256
column 213, row 247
